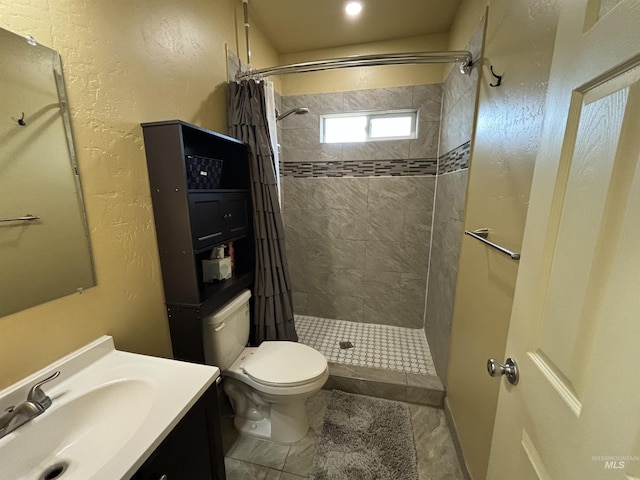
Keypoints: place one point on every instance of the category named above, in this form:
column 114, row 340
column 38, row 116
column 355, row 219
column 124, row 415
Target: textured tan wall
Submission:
column 125, row 62
column 368, row 77
column 466, row 21
column 519, row 44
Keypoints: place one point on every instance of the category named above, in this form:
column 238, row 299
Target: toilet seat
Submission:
column 285, row 364
column 272, row 370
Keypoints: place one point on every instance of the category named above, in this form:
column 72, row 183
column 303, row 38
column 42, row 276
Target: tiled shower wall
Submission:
column 458, row 111
column 358, row 216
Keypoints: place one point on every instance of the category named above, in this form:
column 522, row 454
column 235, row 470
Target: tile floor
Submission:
column 375, row 346
column 254, row 459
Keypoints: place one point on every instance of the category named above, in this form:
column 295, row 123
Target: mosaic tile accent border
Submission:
column 456, row 159
column 361, row 168
column 376, row 346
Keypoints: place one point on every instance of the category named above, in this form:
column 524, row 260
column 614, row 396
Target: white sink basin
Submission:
column 107, row 416
column 109, row 411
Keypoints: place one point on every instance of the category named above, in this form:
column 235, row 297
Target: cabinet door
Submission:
column 236, row 214
column 207, row 218
column 190, row 451
column 218, row 216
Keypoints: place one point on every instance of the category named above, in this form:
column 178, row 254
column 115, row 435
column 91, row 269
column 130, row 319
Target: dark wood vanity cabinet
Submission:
column 193, row 449
column 199, row 182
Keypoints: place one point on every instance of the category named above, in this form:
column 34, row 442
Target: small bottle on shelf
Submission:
column 232, row 254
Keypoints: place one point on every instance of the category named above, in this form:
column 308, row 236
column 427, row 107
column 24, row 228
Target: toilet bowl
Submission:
column 268, row 385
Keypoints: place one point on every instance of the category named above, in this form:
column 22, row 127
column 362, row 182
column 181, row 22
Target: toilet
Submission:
column 268, row 385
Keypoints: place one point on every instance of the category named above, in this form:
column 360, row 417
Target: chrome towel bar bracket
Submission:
column 482, row 234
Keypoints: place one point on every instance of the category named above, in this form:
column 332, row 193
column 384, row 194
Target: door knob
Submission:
column 510, row 369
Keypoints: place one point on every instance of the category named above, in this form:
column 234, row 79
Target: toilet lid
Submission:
column 285, row 363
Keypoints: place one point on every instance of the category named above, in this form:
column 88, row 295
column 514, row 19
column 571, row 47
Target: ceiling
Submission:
column 301, row 25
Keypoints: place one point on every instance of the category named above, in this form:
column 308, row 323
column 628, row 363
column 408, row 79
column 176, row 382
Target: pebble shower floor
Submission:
column 375, row 346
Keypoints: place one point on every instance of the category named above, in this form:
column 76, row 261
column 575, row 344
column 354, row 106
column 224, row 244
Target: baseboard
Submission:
column 456, row 439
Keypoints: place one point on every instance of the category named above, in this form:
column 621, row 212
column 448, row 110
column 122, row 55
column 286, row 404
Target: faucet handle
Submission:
column 36, row 395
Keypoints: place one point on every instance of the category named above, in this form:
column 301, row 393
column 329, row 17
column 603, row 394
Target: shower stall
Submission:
column 373, row 229
column 358, row 228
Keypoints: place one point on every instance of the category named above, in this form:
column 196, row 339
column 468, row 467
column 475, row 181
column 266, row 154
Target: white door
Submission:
column 575, row 324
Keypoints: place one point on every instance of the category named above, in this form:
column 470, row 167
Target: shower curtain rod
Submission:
column 463, row 57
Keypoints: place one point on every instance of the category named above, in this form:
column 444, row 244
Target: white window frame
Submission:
column 413, row 113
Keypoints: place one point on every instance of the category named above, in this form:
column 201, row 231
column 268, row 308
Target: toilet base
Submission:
column 252, row 428
column 280, row 419
column 288, row 423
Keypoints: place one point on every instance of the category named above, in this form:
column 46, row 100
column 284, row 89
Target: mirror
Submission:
column 44, row 242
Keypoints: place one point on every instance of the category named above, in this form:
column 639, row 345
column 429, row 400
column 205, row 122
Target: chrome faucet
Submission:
column 37, row 402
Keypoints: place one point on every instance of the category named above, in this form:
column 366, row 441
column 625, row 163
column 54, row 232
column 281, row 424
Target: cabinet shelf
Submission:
column 214, row 293
column 235, row 284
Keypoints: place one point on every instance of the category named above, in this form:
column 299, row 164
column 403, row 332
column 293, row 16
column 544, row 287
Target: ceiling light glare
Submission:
column 353, row 8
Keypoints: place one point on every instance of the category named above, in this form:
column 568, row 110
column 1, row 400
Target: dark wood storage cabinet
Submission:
column 199, row 184
column 193, row 449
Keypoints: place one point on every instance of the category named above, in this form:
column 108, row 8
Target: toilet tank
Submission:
column 225, row 332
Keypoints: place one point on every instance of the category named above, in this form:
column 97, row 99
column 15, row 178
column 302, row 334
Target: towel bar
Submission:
column 27, row 218
column 482, row 234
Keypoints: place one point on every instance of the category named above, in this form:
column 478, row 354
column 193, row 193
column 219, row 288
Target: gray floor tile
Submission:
column 290, row 476
column 437, row 459
column 273, row 475
column 429, row 427
column 300, row 458
column 440, row 476
column 239, row 470
column 261, row 452
column 316, row 406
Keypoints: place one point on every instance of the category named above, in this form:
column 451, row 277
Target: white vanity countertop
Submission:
column 110, row 410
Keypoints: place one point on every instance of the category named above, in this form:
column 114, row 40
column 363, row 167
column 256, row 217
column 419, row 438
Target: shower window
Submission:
column 371, row 126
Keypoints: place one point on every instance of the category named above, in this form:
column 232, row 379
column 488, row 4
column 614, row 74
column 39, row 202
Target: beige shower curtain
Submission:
column 273, row 304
